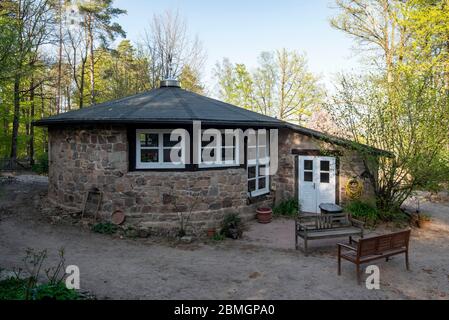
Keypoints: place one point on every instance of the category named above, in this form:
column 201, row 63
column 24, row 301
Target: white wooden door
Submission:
column 317, row 182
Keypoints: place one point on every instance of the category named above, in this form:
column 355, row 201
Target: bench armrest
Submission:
column 357, row 223
column 341, row 245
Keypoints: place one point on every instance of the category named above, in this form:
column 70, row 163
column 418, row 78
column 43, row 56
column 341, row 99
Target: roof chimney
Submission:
column 169, row 80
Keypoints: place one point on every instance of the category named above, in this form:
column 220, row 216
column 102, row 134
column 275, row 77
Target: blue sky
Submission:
column 241, row 30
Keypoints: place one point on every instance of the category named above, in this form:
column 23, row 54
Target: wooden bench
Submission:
column 326, row 226
column 375, row 248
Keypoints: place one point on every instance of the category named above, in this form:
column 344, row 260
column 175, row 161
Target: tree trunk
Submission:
column 81, row 90
column 92, row 61
column 31, row 141
column 58, row 94
column 15, row 123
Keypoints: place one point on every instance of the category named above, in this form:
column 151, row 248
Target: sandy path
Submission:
column 126, row 269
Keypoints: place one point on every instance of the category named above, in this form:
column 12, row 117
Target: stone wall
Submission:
column 85, row 158
column 350, row 165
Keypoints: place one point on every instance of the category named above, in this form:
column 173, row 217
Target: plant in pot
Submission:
column 264, row 215
column 423, row 221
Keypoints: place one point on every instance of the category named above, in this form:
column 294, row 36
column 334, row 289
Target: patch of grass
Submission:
column 289, row 208
column 105, row 228
column 364, row 211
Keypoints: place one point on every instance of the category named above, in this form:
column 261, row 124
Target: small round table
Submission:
column 330, row 208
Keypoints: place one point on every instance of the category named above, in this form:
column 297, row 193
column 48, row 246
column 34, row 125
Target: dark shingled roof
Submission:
column 175, row 105
column 163, row 105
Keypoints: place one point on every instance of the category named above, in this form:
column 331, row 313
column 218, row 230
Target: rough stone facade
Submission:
column 350, row 165
column 86, row 158
column 82, row 159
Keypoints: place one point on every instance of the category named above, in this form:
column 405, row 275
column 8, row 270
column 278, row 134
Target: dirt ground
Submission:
column 264, row 265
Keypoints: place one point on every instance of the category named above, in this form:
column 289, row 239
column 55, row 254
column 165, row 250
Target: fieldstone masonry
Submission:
column 96, row 157
column 82, row 159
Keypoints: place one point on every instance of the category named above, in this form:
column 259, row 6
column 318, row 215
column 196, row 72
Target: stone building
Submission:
column 125, row 150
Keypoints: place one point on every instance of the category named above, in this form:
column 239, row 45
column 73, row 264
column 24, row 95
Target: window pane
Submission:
column 251, row 172
column 263, row 152
column 149, row 140
column 263, row 171
column 251, row 185
column 176, row 156
column 208, row 155
column 168, row 143
column 325, row 177
column 251, row 153
column 228, row 154
column 262, row 183
column 149, row 156
column 308, row 176
column 325, row 165
column 308, row 165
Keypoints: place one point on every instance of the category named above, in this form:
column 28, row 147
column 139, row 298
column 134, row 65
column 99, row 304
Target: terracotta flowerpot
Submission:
column 211, row 233
column 264, row 215
column 423, row 224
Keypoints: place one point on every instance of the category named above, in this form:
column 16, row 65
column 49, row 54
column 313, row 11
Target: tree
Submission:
column 409, row 118
column 170, row 50
column 31, row 21
column 98, row 16
column 281, row 86
column 190, row 80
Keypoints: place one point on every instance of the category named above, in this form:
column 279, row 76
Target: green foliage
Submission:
column 41, row 164
column 105, row 228
column 281, row 87
column 364, row 211
column 232, row 226
column 15, row 289
column 289, row 208
column 218, row 237
column 56, row 291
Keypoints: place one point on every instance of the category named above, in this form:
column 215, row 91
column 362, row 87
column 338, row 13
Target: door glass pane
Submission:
column 325, row 177
column 149, row 140
column 263, row 171
column 308, row 176
column 325, row 166
column 149, row 156
column 308, row 164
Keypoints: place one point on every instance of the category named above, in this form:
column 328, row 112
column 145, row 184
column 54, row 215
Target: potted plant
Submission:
column 264, row 215
column 423, row 221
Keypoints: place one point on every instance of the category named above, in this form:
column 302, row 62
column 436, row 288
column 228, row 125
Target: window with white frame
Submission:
column 159, row 149
column 258, row 159
column 219, row 148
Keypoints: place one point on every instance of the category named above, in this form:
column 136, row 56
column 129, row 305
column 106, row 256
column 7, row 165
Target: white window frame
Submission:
column 257, row 163
column 161, row 164
column 218, row 152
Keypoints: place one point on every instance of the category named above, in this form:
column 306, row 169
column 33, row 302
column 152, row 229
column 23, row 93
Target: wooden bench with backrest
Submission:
column 375, row 248
column 315, row 227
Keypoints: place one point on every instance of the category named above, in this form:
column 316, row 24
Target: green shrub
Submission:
column 15, row 289
column 41, row 165
column 363, row 211
column 218, row 237
column 232, row 226
column 289, row 208
column 56, row 291
column 105, row 228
